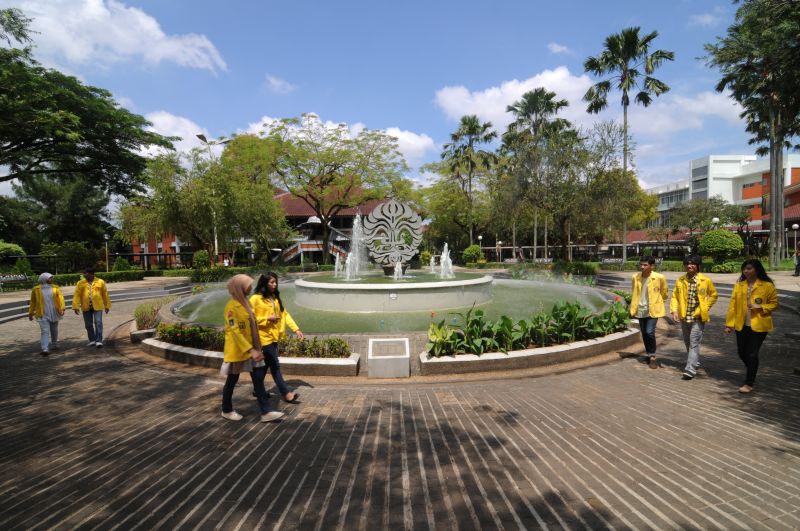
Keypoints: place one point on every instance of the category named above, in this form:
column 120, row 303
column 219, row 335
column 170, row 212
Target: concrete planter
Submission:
column 137, row 336
column 520, row 359
column 295, row 366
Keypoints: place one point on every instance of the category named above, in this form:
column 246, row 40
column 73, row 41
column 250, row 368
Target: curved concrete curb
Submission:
column 298, row 366
column 520, row 359
column 137, row 336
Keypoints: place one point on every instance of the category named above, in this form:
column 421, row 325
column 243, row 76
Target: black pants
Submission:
column 748, row 343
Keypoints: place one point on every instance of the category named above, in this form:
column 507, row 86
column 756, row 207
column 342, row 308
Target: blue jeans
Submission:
column 257, row 375
column 271, row 359
column 93, row 320
column 647, row 325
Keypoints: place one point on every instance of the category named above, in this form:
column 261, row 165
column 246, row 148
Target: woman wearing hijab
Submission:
column 272, row 319
column 47, row 306
column 243, row 351
column 753, row 300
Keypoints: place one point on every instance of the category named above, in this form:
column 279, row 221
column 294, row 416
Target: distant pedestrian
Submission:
column 796, row 263
column 753, row 300
column 692, row 297
column 648, row 293
column 47, row 306
column 242, row 352
column 272, row 319
column 91, row 297
column 226, row 262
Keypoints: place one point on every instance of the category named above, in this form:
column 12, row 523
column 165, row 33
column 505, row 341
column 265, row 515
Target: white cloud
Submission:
column 556, row 48
column 168, row 124
column 490, row 104
column 278, row 85
column 670, row 114
column 707, row 20
column 414, row 147
column 104, row 32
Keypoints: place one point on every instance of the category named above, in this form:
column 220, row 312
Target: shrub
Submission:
column 331, row 347
column 23, row 266
column 192, row 336
column 201, row 259
column 425, row 258
column 729, row 266
column 217, row 274
column 121, row 264
column 721, row 244
column 8, row 249
column 472, row 253
column 146, row 315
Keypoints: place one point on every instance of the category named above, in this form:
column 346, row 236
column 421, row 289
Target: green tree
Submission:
column 465, row 158
column 52, row 124
column 758, row 59
column 329, row 169
column 8, row 249
column 697, row 214
column 19, row 223
column 628, row 62
column 721, row 244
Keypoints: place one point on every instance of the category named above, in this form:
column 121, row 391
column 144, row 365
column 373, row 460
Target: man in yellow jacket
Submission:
column 91, row 297
column 692, row 297
column 648, row 293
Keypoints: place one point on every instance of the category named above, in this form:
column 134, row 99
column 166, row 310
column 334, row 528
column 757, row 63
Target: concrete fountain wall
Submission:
column 396, row 297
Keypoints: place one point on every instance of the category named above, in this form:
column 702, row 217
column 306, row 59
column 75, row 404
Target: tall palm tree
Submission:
column 536, row 111
column 462, row 154
column 627, row 60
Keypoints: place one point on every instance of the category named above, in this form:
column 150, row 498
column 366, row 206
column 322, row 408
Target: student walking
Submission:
column 692, row 297
column 242, row 352
column 753, row 300
column 648, row 293
column 272, row 319
column 91, row 296
column 47, row 306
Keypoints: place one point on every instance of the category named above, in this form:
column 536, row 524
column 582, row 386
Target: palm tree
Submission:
column 535, row 112
column 462, row 154
column 624, row 57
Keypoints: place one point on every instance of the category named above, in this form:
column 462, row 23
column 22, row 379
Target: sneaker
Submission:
column 272, row 416
column 53, row 346
column 99, row 344
column 687, row 375
column 90, row 344
column 44, row 353
column 653, row 363
column 232, row 415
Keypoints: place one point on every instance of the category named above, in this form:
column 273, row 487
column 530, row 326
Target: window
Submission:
column 702, row 171
column 702, row 183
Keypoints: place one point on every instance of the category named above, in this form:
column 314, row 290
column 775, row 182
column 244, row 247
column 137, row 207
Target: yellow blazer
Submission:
column 238, row 337
column 763, row 293
column 36, row 307
column 271, row 331
column 98, row 295
column 706, row 297
column 656, row 294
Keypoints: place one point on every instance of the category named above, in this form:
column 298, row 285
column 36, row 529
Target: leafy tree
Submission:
column 19, row 223
column 472, row 254
column 329, row 169
column 697, row 214
column 10, row 249
column 65, row 208
column 628, row 61
column 465, row 159
column 69, row 256
column 449, row 219
column 758, row 59
column 721, row 244
column 51, row 124
column 121, row 264
column 201, row 259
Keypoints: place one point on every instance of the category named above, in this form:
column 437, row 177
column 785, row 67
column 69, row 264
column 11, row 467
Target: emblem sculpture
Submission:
column 392, row 234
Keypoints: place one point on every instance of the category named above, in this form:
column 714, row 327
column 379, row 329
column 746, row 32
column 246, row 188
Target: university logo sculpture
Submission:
column 392, row 233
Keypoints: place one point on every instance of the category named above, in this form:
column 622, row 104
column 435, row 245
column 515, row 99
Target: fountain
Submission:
column 337, row 267
column 357, row 300
column 433, row 265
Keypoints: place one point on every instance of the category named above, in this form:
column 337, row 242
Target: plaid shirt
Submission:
column 692, row 300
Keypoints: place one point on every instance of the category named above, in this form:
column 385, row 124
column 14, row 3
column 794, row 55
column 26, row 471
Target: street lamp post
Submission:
column 715, row 222
column 105, row 237
column 499, row 251
column 208, row 143
column 795, row 226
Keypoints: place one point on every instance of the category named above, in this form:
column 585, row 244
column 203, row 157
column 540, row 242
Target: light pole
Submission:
column 499, row 251
column 211, row 157
column 715, row 221
column 105, row 237
column 795, row 226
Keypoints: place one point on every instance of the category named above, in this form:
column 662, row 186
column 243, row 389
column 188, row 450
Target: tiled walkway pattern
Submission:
column 90, row 439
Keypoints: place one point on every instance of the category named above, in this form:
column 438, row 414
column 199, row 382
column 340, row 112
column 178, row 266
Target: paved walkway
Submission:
column 105, row 439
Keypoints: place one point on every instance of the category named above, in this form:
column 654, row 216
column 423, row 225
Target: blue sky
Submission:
column 409, row 68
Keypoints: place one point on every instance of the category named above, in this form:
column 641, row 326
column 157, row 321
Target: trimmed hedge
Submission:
column 169, row 273
column 70, row 279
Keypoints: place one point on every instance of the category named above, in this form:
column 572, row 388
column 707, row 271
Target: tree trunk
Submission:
column 546, row 255
column 325, row 238
column 625, row 176
column 776, row 191
column 535, row 232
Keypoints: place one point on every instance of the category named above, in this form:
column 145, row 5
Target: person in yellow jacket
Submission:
column 648, row 296
column 91, row 297
column 242, row 352
column 47, row 306
column 272, row 319
column 692, row 297
column 753, row 300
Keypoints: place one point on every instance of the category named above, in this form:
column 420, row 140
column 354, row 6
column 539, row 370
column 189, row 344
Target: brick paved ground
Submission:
column 97, row 439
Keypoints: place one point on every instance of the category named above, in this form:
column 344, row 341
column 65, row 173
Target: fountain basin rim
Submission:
column 338, row 286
